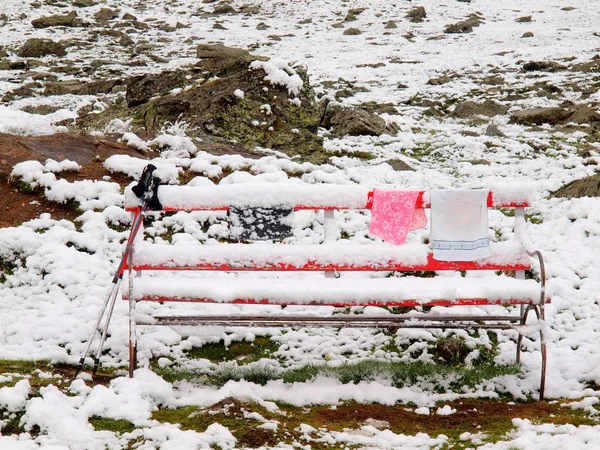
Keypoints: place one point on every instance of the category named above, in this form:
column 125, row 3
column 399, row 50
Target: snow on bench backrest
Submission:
column 300, row 196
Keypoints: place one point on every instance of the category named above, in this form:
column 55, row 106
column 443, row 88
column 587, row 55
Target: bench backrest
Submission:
column 327, row 257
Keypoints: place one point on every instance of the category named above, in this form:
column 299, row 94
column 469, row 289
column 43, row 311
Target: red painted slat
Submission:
column 420, row 203
column 397, row 303
column 432, row 265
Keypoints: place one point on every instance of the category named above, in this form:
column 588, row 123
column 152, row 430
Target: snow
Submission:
column 62, row 270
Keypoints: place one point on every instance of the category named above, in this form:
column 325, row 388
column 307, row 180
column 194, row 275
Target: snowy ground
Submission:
column 64, row 269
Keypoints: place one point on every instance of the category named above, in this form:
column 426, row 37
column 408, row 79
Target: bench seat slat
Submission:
column 339, row 320
column 406, row 291
column 324, row 257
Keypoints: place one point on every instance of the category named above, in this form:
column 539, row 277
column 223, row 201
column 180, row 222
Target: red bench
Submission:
column 161, row 272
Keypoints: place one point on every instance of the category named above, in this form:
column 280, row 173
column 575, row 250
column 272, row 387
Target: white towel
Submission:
column 459, row 225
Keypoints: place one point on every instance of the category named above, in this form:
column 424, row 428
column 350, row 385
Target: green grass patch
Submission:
column 116, row 426
column 360, row 154
column 243, row 352
column 404, row 374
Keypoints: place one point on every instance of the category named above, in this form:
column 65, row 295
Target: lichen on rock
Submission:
column 242, row 99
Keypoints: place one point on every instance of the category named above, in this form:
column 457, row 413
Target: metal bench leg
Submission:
column 539, row 312
column 544, row 354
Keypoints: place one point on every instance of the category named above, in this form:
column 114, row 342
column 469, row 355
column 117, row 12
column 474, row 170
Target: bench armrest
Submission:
column 523, row 236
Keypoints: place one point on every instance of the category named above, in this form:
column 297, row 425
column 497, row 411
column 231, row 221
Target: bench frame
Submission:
column 393, row 321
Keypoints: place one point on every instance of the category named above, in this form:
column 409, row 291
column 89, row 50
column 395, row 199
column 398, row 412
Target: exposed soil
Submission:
column 17, row 207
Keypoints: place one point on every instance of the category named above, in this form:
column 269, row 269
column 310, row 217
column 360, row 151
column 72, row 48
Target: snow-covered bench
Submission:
column 287, row 274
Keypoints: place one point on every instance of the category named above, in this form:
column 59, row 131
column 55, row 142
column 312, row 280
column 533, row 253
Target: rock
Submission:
column 106, row 14
column 433, row 112
column 586, row 187
column 524, row 19
column 527, row 34
column 223, row 9
column 83, row 3
column 356, row 11
column 592, row 66
column 399, row 165
column 488, row 108
column 582, row 114
column 219, row 51
column 356, row 122
column 142, row 88
column 464, row 26
column 214, row 111
column 453, row 350
column 439, row 80
column 125, row 40
column 543, row 66
column 494, row 80
column 262, row 26
column 352, row 32
column 390, row 25
column 36, row 48
column 493, row 130
column 250, row 9
column 76, row 87
column 538, row 116
column 57, row 20
column 416, row 14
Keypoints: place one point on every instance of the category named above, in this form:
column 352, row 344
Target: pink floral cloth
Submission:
column 393, row 215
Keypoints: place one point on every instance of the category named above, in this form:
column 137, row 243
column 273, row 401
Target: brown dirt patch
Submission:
column 17, row 207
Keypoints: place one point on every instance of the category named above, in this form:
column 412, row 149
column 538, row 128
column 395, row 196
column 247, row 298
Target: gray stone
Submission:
column 399, row 165
column 125, row 40
column 36, row 48
column 493, row 130
column 358, row 122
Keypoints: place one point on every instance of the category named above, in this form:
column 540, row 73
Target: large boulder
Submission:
column 242, row 98
column 37, row 48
